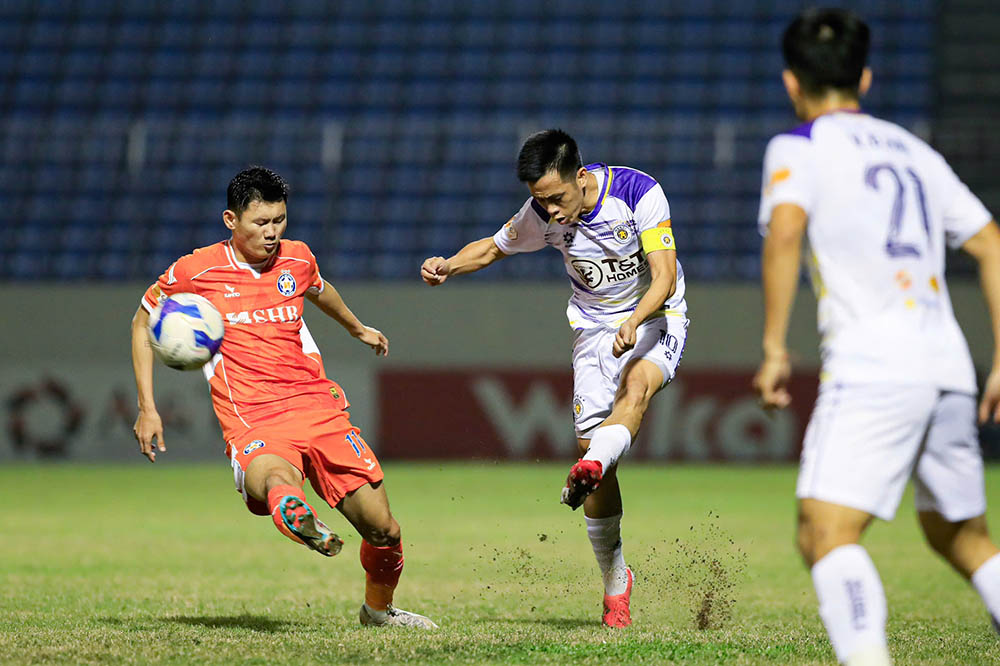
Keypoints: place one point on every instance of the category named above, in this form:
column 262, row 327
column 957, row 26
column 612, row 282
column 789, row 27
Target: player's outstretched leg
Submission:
column 966, row 546
column 275, row 482
column 295, row 519
column 367, row 508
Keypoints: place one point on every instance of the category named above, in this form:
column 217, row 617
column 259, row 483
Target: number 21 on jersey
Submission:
column 886, row 177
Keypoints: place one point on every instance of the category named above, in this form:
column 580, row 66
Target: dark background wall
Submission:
column 397, row 124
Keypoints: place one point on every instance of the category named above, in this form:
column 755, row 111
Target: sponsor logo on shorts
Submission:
column 335, row 393
column 253, row 446
column 371, row 464
column 286, row 283
column 611, row 270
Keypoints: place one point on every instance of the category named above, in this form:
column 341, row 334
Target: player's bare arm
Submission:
column 663, row 281
column 780, row 276
column 984, row 247
column 471, row 258
column 331, row 303
column 148, row 425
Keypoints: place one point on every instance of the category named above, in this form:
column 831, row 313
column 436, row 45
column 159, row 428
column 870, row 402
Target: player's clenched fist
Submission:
column 435, row 270
column 624, row 339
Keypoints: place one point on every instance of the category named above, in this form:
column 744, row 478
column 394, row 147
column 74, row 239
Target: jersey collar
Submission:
column 608, row 175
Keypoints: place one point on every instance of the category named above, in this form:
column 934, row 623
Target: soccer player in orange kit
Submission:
column 282, row 419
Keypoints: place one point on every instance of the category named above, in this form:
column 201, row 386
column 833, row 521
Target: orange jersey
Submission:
column 267, row 356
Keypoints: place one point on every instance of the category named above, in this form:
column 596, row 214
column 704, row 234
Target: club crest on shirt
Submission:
column 253, row 446
column 510, row 230
column 286, row 283
column 622, row 233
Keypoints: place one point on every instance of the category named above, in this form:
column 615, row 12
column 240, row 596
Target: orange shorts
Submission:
column 318, row 440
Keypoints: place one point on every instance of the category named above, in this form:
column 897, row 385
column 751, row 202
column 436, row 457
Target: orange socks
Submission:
column 273, row 498
column 382, row 569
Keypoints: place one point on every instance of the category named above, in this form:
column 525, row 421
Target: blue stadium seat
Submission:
column 433, row 99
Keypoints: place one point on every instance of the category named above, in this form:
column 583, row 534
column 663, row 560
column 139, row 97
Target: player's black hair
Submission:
column 827, row 49
column 547, row 150
column 255, row 183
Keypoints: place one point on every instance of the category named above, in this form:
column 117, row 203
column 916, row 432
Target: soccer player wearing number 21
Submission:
column 897, row 390
column 282, row 419
column 627, row 311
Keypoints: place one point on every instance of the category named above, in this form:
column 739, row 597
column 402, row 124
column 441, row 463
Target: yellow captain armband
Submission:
column 658, row 238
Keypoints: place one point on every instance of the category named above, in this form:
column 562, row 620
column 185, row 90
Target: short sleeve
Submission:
column 652, row 210
column 525, row 232
column 174, row 280
column 787, row 177
column 964, row 215
column 316, row 283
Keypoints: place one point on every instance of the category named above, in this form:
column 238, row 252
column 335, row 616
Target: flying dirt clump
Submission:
column 705, row 572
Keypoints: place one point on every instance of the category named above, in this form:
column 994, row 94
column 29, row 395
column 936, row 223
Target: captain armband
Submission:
column 658, row 238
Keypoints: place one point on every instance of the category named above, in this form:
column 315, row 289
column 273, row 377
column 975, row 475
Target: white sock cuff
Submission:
column 610, row 521
column 988, row 573
column 608, row 444
column 604, row 532
column 840, row 556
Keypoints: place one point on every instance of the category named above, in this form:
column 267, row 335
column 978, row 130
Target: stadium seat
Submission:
column 133, row 107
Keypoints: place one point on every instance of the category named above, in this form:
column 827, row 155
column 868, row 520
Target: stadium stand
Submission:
column 397, row 123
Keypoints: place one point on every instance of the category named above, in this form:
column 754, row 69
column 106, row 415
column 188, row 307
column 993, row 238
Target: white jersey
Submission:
column 603, row 251
column 882, row 205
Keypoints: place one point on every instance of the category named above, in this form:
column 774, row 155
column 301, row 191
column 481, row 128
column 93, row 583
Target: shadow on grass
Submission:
column 255, row 622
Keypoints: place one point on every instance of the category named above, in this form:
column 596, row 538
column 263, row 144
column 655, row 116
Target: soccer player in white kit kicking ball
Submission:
column 897, row 390
column 627, row 311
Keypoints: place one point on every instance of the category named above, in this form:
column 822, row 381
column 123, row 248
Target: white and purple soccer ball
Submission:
column 186, row 331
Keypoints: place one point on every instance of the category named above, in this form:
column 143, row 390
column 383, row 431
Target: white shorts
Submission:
column 865, row 441
column 596, row 371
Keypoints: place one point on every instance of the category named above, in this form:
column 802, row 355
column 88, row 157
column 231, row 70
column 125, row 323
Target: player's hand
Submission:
column 989, row 405
column 435, row 270
column 771, row 381
column 149, row 426
column 624, row 339
column 376, row 340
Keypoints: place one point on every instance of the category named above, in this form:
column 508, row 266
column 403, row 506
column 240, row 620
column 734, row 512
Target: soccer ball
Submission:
column 186, row 331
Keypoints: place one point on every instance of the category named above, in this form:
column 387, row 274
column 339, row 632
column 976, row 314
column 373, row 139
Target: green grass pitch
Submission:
column 144, row 563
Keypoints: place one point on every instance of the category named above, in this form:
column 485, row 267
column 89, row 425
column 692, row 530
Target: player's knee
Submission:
column 816, row 540
column 634, row 397
column 383, row 533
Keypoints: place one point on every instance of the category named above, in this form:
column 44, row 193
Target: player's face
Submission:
column 257, row 232
column 562, row 199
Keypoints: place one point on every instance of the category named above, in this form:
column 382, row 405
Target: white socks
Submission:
column 852, row 604
column 608, row 444
column 605, row 537
column 377, row 615
column 986, row 580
